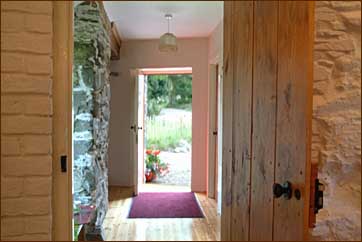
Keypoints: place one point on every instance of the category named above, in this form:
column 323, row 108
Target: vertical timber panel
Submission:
column 264, row 118
column 295, row 31
column 241, row 124
column 227, row 122
column 62, row 198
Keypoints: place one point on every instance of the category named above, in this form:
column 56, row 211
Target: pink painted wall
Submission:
column 193, row 53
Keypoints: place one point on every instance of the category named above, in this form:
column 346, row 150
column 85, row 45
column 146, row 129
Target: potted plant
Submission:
column 154, row 165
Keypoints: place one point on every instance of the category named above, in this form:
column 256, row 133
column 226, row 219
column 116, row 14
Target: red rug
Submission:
column 165, row 205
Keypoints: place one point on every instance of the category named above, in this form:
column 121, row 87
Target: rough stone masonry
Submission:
column 91, row 98
column 337, row 118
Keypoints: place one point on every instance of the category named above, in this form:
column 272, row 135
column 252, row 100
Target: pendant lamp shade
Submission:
column 168, row 41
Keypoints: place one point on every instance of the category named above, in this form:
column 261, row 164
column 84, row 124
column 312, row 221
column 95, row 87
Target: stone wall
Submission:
column 337, row 118
column 26, row 120
column 91, row 97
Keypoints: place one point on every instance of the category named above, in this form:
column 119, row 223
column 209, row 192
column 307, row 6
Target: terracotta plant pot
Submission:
column 148, row 176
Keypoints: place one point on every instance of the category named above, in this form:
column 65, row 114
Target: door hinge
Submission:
column 318, row 196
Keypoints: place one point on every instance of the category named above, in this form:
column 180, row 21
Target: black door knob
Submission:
column 285, row 189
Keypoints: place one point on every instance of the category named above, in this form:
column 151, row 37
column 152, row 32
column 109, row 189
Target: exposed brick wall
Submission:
column 337, row 118
column 26, row 120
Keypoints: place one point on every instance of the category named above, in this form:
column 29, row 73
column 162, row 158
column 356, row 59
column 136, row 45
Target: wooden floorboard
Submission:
column 118, row 227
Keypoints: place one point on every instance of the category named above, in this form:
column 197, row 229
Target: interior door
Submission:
column 212, row 139
column 219, row 137
column 267, row 106
column 215, row 133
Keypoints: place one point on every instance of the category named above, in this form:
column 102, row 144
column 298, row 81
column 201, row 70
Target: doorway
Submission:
column 164, row 132
column 233, row 215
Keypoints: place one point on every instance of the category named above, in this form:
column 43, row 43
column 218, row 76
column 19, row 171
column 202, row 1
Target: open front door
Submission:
column 267, row 106
column 136, row 128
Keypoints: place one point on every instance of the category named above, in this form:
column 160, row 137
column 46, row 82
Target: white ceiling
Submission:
column 145, row 19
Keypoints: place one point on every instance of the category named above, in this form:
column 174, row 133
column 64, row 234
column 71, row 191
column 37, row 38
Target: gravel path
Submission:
column 179, row 169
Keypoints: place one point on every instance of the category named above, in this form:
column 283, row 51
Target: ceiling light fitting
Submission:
column 168, row 40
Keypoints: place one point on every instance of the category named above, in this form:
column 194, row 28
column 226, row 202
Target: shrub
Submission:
column 172, row 91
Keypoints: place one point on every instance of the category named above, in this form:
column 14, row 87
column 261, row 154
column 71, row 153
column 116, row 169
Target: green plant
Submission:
column 168, row 91
column 154, row 107
column 157, row 93
column 154, row 163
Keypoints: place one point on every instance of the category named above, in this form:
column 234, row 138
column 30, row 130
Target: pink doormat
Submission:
column 165, row 205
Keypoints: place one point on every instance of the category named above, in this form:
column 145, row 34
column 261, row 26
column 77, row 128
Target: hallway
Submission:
column 275, row 125
column 118, row 227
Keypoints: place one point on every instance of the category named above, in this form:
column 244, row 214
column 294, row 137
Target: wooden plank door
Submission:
column 294, row 116
column 227, row 115
column 264, row 111
column 267, row 93
column 241, row 122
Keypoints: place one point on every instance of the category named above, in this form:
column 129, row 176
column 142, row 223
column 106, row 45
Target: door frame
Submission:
column 62, row 202
column 62, row 197
column 136, row 180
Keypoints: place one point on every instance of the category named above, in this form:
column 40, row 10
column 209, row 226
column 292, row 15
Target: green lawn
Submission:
column 167, row 134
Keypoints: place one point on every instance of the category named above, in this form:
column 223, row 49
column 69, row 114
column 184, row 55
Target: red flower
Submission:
column 148, row 152
column 156, row 152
